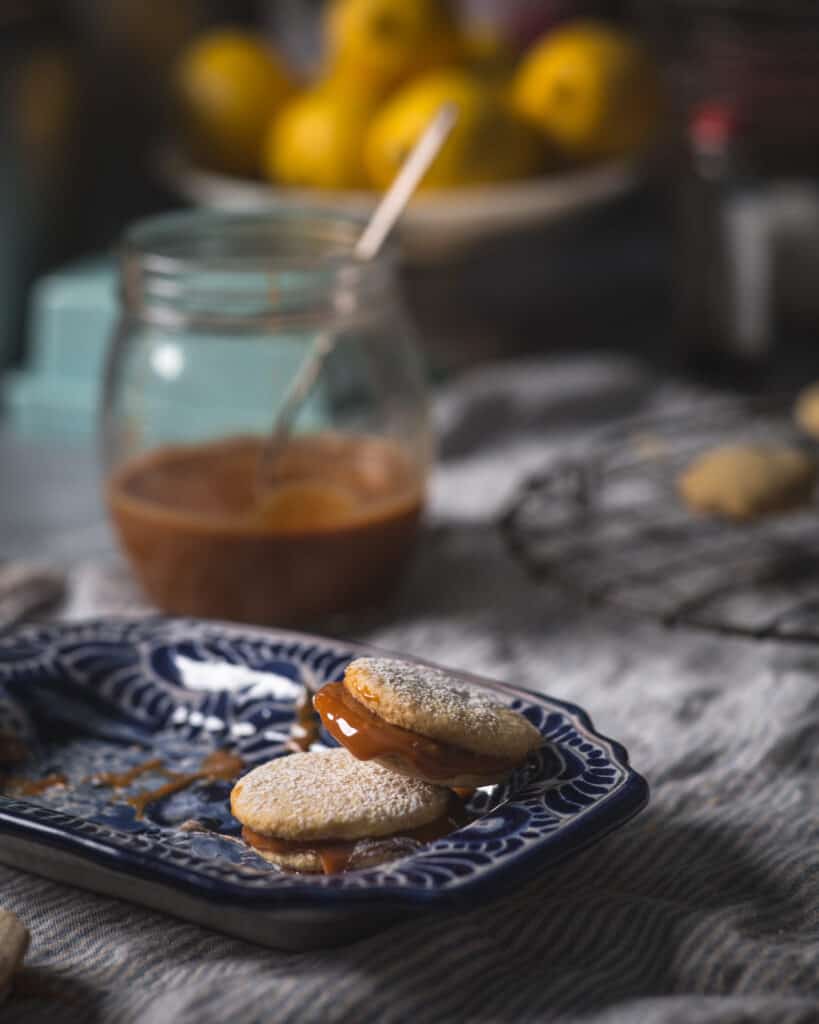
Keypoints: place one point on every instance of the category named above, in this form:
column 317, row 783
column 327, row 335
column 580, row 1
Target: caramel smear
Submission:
column 367, row 736
column 120, row 780
column 219, row 765
column 222, row 765
column 32, row 787
column 175, row 784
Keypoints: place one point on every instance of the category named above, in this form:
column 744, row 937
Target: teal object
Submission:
column 72, row 313
column 72, row 317
column 38, row 408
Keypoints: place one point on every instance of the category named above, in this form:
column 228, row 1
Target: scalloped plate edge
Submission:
column 296, row 919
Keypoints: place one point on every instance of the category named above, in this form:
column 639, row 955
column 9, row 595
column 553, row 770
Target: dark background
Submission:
column 85, row 102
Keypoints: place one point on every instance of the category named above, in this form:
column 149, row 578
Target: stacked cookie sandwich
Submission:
column 409, row 737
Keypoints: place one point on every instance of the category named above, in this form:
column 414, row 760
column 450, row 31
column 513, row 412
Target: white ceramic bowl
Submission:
column 435, row 224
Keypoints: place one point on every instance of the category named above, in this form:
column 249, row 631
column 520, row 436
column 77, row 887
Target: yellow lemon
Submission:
column 386, row 42
column 590, row 88
column 229, row 84
column 317, row 140
column 488, row 143
column 347, row 80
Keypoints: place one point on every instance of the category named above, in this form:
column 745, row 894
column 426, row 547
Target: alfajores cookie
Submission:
column 326, row 811
column 418, row 722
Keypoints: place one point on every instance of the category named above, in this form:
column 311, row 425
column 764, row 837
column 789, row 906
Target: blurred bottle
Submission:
column 746, row 182
column 723, row 286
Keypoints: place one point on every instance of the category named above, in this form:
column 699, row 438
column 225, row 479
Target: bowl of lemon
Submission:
column 539, row 137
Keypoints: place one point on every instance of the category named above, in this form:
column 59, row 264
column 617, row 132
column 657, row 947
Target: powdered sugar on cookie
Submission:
column 428, row 701
column 331, row 795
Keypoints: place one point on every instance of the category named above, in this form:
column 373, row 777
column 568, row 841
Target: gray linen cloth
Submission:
column 704, row 909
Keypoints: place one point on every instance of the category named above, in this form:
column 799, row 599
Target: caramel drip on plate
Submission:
column 219, row 765
column 32, row 787
column 119, row 780
column 141, row 801
column 335, row 860
column 367, row 736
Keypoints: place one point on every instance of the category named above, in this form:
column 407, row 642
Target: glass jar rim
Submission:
column 235, row 269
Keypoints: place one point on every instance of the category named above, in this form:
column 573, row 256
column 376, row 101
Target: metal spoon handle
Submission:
column 368, row 245
column 301, row 386
column 407, row 180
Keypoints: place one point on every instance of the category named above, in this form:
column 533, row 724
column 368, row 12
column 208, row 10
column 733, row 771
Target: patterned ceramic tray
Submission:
column 107, row 696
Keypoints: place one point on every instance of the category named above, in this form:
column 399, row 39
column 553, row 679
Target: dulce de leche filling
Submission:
column 335, row 854
column 367, row 736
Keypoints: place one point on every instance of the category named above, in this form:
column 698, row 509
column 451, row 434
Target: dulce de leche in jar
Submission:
column 330, row 534
column 219, row 314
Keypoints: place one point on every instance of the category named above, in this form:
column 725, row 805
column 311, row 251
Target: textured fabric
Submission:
column 704, row 910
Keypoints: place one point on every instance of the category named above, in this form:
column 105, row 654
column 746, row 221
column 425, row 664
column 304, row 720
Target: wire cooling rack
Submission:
column 611, row 528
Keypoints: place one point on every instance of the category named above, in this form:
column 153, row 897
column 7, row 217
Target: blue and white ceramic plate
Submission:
column 107, row 695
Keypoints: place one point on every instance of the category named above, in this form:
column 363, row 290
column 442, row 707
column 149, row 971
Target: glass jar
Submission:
column 219, row 313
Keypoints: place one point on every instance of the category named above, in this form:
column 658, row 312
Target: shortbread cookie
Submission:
column 806, row 410
column 14, row 939
column 748, row 481
column 327, row 811
column 418, row 722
